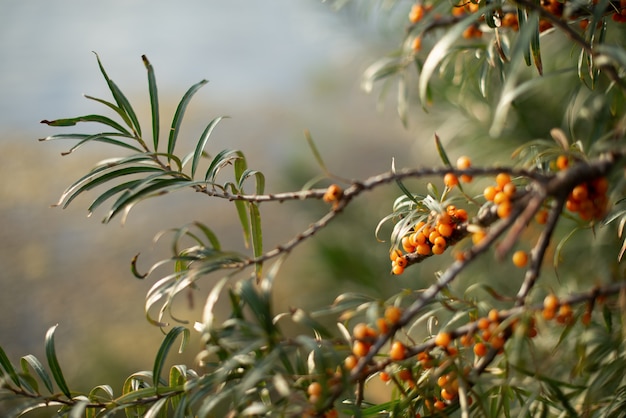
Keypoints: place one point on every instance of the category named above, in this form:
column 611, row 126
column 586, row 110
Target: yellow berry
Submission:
column 397, row 351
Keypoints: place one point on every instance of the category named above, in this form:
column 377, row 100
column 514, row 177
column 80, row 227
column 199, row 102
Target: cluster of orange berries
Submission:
column 364, row 336
column 554, row 309
column 428, row 237
column 588, row 199
column 501, row 194
column 333, row 194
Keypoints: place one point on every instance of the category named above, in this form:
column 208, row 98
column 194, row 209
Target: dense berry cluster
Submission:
column 428, row 238
column 589, row 200
column 501, row 194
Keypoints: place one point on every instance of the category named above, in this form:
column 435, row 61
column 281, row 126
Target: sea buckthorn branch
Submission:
column 433, row 291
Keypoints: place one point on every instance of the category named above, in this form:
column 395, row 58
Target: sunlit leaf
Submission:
column 256, row 236
column 32, row 361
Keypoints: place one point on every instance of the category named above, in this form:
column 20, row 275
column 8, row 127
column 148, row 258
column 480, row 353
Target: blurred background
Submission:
column 276, row 68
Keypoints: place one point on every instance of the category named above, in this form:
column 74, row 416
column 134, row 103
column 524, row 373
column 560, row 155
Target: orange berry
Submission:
column 405, row 375
column 483, row 323
column 423, row 249
column 407, row 245
column 500, row 197
column 445, row 230
column 401, row 262
column 382, row 326
column 497, row 342
column 494, row 315
column 548, row 313
column 466, row 178
column 562, row 162
column 433, row 236
column 417, row 13
column 461, row 215
column 393, row 314
column 360, row 331
column 444, row 218
column 395, row 254
column 463, row 163
column 580, row 193
column 438, row 250
column 480, row 349
column 541, row 217
column 478, row 236
column 350, row 362
column 509, row 189
column 520, row 258
column 443, row 339
column 397, row 351
column 450, row 180
column 448, row 394
column 504, row 209
column 333, row 193
column 314, row 389
column 551, row 302
column 466, row 340
column 440, row 242
column 360, row 348
column 397, row 270
column 502, row 179
column 384, row 376
column 490, row 193
column 439, row 404
column 417, row 44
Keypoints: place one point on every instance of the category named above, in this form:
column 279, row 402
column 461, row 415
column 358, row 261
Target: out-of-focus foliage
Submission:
column 545, row 341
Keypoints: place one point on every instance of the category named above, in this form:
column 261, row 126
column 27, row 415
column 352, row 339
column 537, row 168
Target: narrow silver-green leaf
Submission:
column 130, row 197
column 53, row 363
column 32, row 361
column 180, row 112
column 154, row 102
column 8, row 367
column 128, row 113
column 164, row 349
column 442, row 49
column 222, row 159
column 88, row 118
column 257, row 236
column 204, row 138
column 108, row 177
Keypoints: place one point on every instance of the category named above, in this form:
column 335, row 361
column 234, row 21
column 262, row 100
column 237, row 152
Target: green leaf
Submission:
column 535, row 48
column 128, row 114
column 88, row 118
column 443, row 48
column 154, row 102
column 204, row 138
column 100, row 137
column 165, row 348
column 53, row 363
column 180, row 112
column 222, row 159
column 257, row 236
column 155, row 409
column 32, row 361
column 110, row 193
column 8, row 367
column 155, row 187
column 108, row 177
column 260, row 180
column 315, row 151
